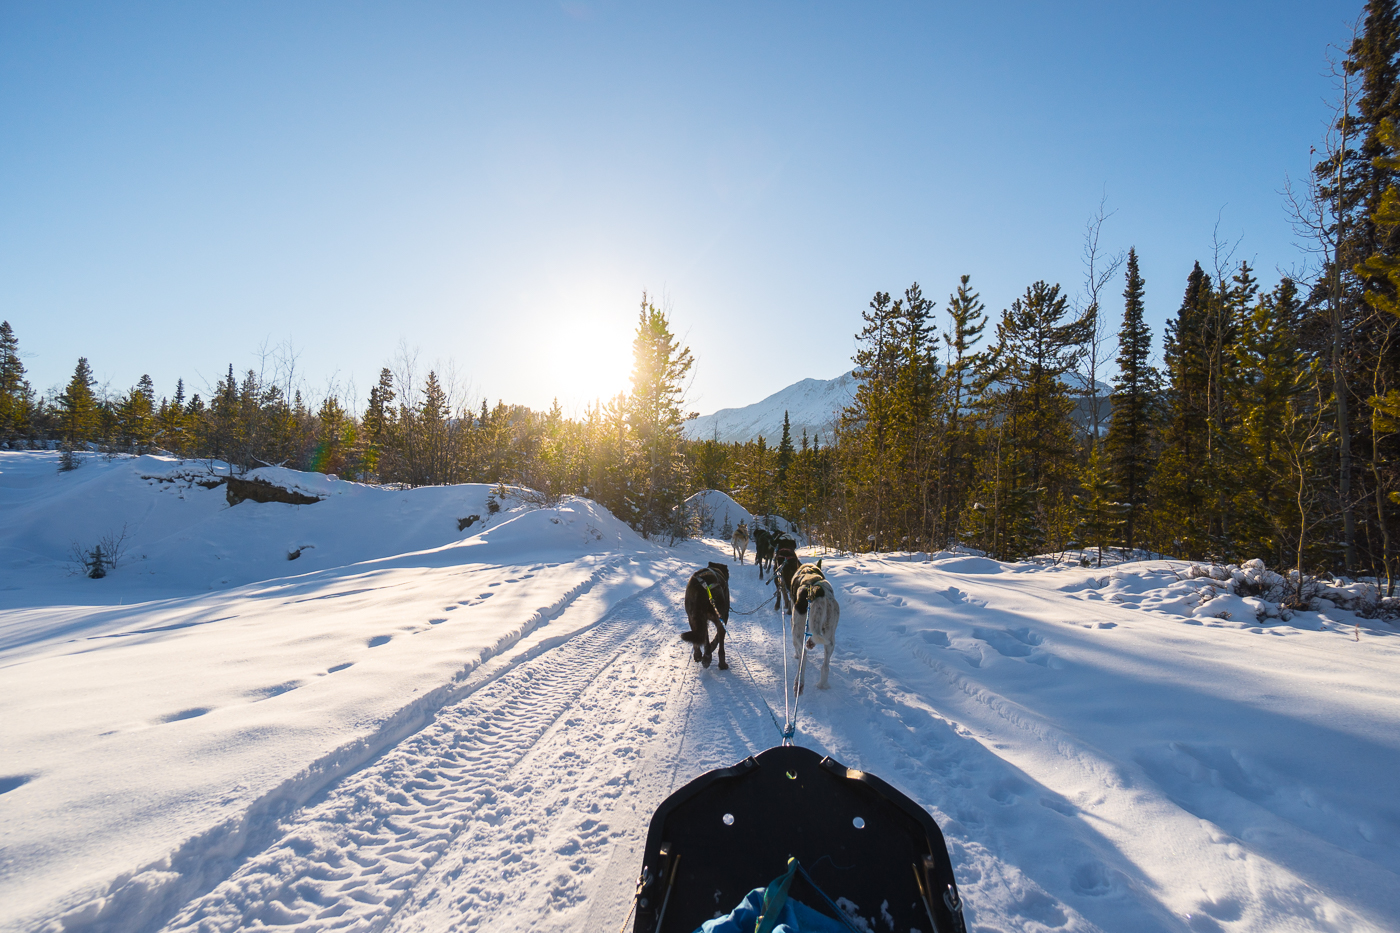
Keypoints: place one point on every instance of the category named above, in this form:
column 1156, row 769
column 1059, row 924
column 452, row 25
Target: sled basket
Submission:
column 860, row 841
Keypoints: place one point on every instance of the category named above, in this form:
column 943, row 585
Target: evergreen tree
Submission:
column 378, row 421
column 1178, row 487
column 222, row 429
column 1352, row 177
column 709, row 465
column 16, row 397
column 783, row 476
column 1267, row 365
column 867, row 423
column 1101, row 515
column 171, row 422
column 918, row 435
column 656, row 461
column 1130, row 442
column 1382, row 398
column 79, row 415
column 1033, row 473
column 136, row 416
column 888, row 455
column 965, row 378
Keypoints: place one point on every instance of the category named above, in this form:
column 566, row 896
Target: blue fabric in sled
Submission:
column 793, row 917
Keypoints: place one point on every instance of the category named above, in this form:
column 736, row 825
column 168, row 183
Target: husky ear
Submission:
column 819, row 563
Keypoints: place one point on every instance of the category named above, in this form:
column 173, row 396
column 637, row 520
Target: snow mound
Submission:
column 969, row 565
column 180, row 535
column 711, row 508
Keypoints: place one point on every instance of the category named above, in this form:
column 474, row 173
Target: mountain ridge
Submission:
column 815, row 404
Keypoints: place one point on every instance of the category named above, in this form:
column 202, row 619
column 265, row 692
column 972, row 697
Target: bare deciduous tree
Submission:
column 1099, row 268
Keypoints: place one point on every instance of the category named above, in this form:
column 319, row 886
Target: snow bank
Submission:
column 144, row 739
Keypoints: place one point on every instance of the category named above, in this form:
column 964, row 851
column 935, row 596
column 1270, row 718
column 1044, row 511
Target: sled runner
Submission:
column 856, row 842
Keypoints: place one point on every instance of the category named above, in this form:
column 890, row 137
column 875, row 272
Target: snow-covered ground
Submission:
column 439, row 730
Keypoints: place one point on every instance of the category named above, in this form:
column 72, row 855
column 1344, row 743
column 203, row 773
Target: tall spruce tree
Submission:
column 16, row 397
column 657, row 465
column 1268, row 361
column 378, row 421
column 918, row 434
column 78, row 404
column 785, row 451
column 1177, row 488
column 136, row 415
column 1131, row 441
column 1352, row 179
column 964, row 379
column 1382, row 383
column 867, row 424
column 1032, row 473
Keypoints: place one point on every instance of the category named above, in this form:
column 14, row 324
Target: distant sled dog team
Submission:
column 801, row 590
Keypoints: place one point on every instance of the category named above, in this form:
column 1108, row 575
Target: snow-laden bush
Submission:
column 1281, row 595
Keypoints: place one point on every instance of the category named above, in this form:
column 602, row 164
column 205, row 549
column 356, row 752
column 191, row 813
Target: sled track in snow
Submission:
column 451, row 825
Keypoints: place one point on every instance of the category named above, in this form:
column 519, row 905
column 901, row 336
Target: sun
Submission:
column 589, row 358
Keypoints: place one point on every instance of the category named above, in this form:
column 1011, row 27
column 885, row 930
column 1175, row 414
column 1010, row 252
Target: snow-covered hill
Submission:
column 436, row 730
column 714, row 510
column 813, row 404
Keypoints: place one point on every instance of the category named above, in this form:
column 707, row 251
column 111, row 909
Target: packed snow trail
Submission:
column 495, row 814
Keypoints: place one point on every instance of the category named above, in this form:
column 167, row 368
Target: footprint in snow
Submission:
column 1091, row 879
column 436, row 621
column 1060, row 806
column 340, row 667
column 192, row 713
column 267, row 693
column 1007, row 791
column 378, row 640
column 12, row 781
column 1005, row 643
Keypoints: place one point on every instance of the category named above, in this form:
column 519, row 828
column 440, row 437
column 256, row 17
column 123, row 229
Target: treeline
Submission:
column 627, row 453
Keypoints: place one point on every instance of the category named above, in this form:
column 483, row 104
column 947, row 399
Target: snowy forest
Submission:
column 1271, row 428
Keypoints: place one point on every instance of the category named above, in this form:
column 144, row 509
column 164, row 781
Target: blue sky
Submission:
column 185, row 186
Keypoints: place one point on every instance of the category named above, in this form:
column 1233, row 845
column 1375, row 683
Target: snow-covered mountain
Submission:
column 813, row 404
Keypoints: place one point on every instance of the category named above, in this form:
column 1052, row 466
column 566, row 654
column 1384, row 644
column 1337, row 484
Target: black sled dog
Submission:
column 706, row 601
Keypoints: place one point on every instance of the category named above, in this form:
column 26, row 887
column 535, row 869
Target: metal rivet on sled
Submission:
column 858, row 822
column 728, row 819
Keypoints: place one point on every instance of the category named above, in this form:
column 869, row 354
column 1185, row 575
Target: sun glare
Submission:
column 589, row 357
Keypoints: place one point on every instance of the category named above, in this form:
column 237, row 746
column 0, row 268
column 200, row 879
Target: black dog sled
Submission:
column 789, row 816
